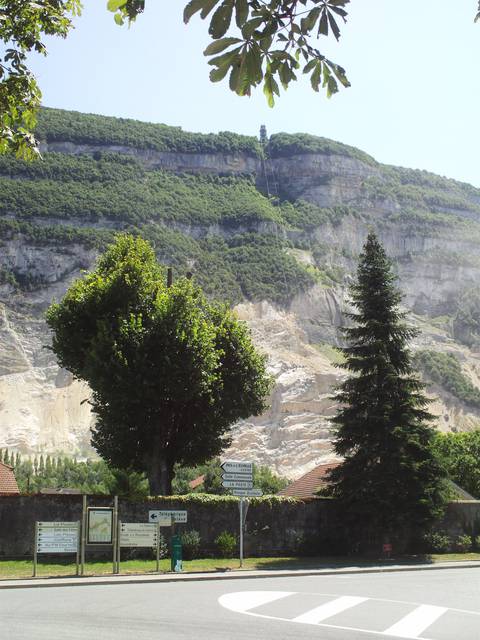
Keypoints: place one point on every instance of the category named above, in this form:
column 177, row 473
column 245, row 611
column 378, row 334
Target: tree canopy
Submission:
column 169, row 372
column 389, row 481
column 254, row 43
column 459, row 454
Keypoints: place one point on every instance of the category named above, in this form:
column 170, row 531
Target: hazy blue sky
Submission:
column 413, row 65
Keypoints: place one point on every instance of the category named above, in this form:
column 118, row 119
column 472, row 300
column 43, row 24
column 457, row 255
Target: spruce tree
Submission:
column 389, row 484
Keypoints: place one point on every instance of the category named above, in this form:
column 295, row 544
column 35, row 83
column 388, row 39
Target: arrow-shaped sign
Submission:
column 236, row 466
column 237, row 484
column 237, row 476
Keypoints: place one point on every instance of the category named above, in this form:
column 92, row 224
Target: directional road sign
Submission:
column 237, row 476
column 247, row 493
column 57, row 537
column 235, row 466
column 165, row 517
column 138, row 534
column 237, row 484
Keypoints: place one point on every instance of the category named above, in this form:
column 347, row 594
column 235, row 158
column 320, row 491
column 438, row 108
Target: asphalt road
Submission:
column 434, row 605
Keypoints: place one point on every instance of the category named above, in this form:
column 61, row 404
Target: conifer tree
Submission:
column 389, row 482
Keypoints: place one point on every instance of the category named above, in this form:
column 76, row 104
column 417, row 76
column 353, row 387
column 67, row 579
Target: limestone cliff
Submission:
column 430, row 226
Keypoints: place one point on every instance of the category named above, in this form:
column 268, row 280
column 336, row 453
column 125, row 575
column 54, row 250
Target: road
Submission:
column 433, row 605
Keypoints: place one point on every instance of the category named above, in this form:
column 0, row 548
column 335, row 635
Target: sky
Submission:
column 414, row 100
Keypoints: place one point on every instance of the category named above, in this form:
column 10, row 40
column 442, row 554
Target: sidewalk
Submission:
column 225, row 575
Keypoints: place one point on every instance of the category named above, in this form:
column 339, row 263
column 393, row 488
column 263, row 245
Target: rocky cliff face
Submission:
column 436, row 256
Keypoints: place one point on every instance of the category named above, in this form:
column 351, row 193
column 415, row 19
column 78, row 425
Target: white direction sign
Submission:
column 138, row 534
column 237, row 476
column 235, row 466
column 57, row 537
column 165, row 517
column 237, row 484
column 247, row 493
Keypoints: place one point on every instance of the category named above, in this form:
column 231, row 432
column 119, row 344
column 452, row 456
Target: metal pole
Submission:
column 77, row 559
column 241, row 532
column 115, row 536
column 158, row 547
column 35, row 543
column 119, row 524
column 83, row 536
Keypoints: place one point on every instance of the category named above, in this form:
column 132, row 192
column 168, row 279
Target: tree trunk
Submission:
column 159, row 473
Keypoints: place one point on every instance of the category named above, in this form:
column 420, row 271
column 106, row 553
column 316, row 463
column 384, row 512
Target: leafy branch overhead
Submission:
column 23, row 24
column 254, row 43
column 258, row 42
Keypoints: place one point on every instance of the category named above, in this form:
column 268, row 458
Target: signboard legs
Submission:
column 116, row 536
column 158, row 547
column 83, row 536
column 35, row 551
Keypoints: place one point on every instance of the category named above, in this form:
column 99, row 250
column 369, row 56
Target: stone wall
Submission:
column 271, row 528
column 309, row 527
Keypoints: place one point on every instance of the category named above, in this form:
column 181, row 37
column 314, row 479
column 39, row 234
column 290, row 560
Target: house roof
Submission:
column 308, row 485
column 196, row 482
column 8, row 484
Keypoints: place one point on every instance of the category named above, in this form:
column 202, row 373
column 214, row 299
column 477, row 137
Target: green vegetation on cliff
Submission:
column 282, row 145
column 57, row 125
column 236, row 240
column 445, row 370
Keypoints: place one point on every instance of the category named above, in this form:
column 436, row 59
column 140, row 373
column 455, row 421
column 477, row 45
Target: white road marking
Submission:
column 329, row 609
column 245, row 600
column 412, row 625
column 408, row 627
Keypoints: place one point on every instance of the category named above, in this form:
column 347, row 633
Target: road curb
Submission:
column 228, row 575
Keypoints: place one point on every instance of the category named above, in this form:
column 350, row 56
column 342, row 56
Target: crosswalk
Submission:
column 387, row 618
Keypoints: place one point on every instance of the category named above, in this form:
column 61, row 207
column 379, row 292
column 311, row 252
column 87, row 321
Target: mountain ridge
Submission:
column 276, row 234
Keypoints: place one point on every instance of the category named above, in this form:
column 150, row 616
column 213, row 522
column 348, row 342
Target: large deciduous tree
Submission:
column 169, row 371
column 389, row 481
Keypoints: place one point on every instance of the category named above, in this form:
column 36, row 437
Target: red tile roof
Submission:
column 193, row 484
column 308, row 485
column 8, row 484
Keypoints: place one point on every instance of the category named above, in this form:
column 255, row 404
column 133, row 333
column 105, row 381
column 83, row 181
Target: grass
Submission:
column 15, row 569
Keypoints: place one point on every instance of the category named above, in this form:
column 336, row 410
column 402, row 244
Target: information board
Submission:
column 165, row 517
column 57, row 537
column 100, row 525
column 138, row 534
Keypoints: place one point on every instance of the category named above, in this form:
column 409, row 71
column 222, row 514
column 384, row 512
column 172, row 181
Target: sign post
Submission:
column 136, row 535
column 238, row 476
column 56, row 537
column 99, row 527
column 241, row 532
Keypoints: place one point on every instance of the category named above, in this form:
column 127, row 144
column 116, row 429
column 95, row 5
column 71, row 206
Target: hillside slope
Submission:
column 277, row 234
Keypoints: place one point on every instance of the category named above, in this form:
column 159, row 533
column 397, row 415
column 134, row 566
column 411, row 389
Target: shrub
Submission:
column 190, row 544
column 437, row 542
column 462, row 544
column 227, row 544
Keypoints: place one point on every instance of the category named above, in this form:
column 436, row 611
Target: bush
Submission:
column 462, row 544
column 437, row 542
column 227, row 544
column 190, row 544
